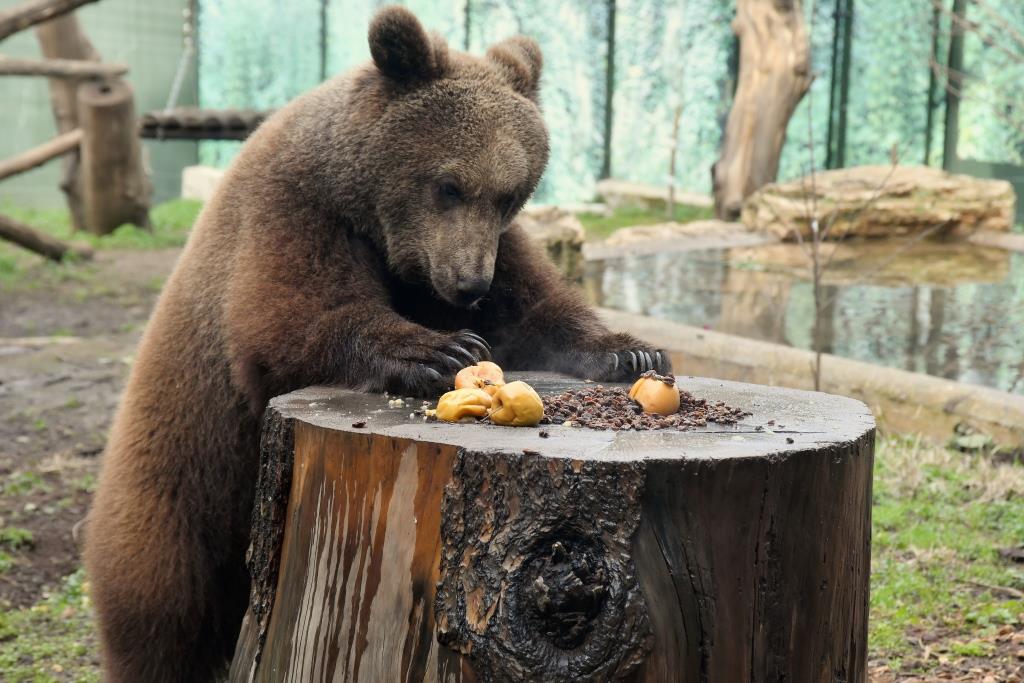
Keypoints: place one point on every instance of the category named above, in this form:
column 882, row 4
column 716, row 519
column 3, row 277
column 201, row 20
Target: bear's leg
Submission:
column 166, row 612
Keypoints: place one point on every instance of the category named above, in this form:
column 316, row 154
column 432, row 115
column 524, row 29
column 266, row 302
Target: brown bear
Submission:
column 365, row 236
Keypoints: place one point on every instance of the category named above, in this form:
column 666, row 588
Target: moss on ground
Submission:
column 51, row 641
column 599, row 227
column 940, row 518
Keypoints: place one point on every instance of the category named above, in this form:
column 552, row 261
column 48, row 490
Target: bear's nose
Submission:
column 471, row 289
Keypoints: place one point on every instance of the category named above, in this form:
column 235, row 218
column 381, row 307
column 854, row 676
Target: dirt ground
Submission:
column 65, row 352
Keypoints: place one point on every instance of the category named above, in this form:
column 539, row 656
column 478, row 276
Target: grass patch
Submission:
column 52, row 640
column 940, row 517
column 16, row 538
column 599, row 227
column 171, row 222
column 22, row 482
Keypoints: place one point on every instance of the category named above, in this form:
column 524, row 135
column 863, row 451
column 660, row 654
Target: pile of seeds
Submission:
column 599, row 407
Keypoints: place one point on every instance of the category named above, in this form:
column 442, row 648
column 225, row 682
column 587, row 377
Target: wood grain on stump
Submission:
column 386, row 548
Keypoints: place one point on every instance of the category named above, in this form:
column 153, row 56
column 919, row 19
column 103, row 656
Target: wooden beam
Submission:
column 37, row 156
column 39, row 242
column 32, row 12
column 60, row 68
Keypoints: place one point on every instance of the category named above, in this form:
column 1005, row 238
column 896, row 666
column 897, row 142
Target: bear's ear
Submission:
column 402, row 50
column 520, row 60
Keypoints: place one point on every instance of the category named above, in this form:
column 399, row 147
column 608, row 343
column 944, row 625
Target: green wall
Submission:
column 147, row 35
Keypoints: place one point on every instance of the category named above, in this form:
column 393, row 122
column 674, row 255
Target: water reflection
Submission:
column 950, row 310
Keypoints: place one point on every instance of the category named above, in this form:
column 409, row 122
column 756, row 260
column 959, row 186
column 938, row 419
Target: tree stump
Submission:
column 115, row 187
column 386, row 548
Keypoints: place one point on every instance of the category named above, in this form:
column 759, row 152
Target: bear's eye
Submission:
column 449, row 193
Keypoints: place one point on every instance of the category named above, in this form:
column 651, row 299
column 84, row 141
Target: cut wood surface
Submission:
column 386, row 548
column 32, row 12
column 774, row 75
column 60, row 68
column 37, row 156
column 115, row 186
column 63, row 38
column 28, row 237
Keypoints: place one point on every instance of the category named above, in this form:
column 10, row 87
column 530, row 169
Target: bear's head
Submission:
column 459, row 147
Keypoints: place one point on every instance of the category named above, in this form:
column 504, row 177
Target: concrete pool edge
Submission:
column 902, row 401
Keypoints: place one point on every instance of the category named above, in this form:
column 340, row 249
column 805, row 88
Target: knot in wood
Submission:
column 537, row 579
column 567, row 591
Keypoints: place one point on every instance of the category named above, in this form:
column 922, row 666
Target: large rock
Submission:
column 560, row 233
column 882, row 201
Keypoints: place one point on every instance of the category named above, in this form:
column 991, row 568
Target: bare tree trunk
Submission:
column 775, row 72
column 670, row 207
column 63, row 38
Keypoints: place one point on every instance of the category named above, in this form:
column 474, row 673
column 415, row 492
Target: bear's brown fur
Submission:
column 360, row 235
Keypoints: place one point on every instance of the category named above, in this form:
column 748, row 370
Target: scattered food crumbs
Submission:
column 359, row 425
column 396, row 403
column 543, row 434
column 789, row 439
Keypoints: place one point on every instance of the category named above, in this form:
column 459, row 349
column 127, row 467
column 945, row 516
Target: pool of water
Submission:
column 947, row 309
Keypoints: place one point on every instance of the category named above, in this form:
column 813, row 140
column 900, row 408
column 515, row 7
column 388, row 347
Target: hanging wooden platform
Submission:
column 386, row 548
column 191, row 123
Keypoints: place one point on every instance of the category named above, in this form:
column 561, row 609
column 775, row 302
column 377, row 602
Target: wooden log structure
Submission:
column 192, row 123
column 60, row 68
column 63, row 38
column 387, row 548
column 28, row 237
column 774, row 75
column 115, row 186
column 37, row 156
column 32, row 12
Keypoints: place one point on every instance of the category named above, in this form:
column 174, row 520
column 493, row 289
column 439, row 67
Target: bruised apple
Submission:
column 484, row 375
column 461, row 405
column 516, row 405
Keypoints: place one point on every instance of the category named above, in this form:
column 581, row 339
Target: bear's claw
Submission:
column 628, row 364
column 475, row 341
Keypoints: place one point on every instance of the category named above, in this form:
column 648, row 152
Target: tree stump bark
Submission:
column 115, row 187
column 775, row 72
column 386, row 548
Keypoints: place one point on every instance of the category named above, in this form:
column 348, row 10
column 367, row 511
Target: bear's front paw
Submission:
column 626, row 365
column 429, row 369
